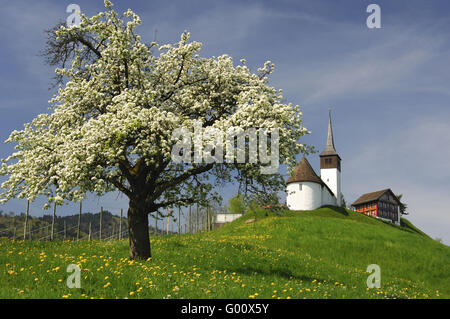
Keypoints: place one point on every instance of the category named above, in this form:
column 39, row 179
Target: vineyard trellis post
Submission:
column 168, row 222
column 53, row 221
column 197, row 224
column 79, row 221
column 120, row 224
column 190, row 219
column 101, row 217
column 207, row 218
column 26, row 221
column 113, row 231
column 179, row 220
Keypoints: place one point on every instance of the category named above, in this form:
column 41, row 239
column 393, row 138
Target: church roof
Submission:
column 329, row 147
column 304, row 173
column 370, row 197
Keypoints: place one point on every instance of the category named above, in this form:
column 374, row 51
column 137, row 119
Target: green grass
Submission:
column 311, row 254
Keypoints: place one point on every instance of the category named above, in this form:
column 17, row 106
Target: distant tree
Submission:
column 343, row 202
column 236, row 204
column 402, row 205
column 268, row 201
column 265, row 199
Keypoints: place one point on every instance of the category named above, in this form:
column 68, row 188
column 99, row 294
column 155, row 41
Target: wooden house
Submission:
column 382, row 204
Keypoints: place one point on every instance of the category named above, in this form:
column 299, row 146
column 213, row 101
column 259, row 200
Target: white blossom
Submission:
column 124, row 106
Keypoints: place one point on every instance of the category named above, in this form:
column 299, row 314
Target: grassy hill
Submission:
column 310, row 254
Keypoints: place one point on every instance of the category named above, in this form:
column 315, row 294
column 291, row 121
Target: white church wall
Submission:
column 332, row 177
column 309, row 197
column 327, row 198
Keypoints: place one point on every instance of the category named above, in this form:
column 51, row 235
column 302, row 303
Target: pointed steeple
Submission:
column 330, row 165
column 329, row 147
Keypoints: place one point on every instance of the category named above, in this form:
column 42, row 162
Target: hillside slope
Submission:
column 311, row 254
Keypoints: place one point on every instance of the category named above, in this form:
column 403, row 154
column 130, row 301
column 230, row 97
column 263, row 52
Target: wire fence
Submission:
column 102, row 226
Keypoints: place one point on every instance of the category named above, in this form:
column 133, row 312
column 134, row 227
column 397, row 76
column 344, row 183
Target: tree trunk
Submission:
column 138, row 231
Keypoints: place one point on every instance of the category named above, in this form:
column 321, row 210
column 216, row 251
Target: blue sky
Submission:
column 388, row 87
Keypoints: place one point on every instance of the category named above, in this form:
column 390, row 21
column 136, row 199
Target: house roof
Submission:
column 370, row 197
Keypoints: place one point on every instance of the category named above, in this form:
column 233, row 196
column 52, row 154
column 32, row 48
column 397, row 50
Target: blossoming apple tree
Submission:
column 110, row 123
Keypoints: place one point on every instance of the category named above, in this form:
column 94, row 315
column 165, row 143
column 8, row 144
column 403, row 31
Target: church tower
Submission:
column 330, row 165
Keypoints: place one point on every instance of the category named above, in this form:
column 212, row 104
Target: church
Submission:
column 306, row 190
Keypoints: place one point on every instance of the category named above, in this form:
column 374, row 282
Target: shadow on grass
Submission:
column 337, row 209
column 248, row 270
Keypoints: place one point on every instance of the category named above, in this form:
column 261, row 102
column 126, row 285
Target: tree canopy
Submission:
column 111, row 122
